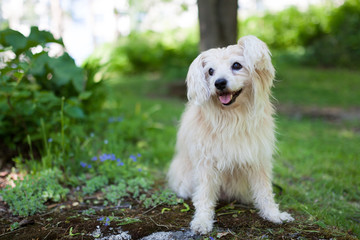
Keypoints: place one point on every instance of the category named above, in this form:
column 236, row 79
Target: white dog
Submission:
column 226, row 137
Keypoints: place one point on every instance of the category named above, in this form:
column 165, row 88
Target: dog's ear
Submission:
column 258, row 62
column 197, row 87
column 257, row 55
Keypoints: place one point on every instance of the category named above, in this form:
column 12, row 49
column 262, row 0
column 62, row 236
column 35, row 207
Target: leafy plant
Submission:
column 35, row 85
column 94, row 184
column 166, row 197
column 339, row 46
column 29, row 195
column 14, row 226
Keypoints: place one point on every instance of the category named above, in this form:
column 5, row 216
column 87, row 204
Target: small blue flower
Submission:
column 89, row 166
column 112, row 157
column 120, row 164
column 50, row 140
column 106, row 224
column 106, row 141
column 212, row 238
column 118, row 160
column 140, row 170
column 108, row 219
column 139, row 155
column 92, row 135
column 101, row 219
column 82, row 164
column 94, row 159
column 132, row 157
column 103, row 158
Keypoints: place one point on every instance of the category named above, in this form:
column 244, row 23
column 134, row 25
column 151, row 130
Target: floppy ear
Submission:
column 256, row 54
column 197, row 87
column 258, row 62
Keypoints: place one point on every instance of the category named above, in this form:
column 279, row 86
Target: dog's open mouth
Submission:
column 227, row 98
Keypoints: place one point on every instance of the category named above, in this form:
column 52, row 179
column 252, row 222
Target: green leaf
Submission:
column 14, row 39
column 85, row 95
column 74, row 112
column 38, row 37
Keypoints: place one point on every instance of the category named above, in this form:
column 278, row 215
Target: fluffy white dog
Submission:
column 226, row 137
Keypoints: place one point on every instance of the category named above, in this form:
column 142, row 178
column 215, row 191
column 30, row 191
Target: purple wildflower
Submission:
column 94, row 158
column 50, row 140
column 139, row 155
column 82, row 164
column 101, row 219
column 112, row 157
column 89, row 166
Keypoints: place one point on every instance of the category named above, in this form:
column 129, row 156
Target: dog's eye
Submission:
column 236, row 66
column 211, row 71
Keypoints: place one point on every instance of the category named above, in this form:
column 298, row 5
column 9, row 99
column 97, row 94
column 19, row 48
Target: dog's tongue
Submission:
column 225, row 99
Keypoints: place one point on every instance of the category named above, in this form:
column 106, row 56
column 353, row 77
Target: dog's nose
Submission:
column 220, row 84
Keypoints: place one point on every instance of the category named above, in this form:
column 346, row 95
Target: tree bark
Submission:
column 218, row 23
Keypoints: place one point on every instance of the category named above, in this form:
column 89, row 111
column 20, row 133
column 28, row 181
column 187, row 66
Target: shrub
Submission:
column 35, row 86
column 340, row 46
column 289, row 28
column 169, row 52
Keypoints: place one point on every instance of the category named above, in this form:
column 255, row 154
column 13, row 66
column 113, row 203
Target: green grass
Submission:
column 317, row 166
column 305, row 86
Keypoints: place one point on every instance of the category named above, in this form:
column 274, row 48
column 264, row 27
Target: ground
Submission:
column 74, row 220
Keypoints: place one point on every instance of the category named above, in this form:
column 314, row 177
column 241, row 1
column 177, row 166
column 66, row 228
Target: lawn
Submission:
column 316, row 174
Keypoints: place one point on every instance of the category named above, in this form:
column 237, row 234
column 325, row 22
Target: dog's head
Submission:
column 225, row 73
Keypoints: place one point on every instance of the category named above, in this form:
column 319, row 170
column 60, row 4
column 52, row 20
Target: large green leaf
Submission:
column 14, row 39
column 38, row 37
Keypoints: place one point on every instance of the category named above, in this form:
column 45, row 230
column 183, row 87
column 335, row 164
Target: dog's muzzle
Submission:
column 225, row 97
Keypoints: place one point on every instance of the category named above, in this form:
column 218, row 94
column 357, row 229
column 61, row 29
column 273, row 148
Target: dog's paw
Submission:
column 277, row 217
column 201, row 225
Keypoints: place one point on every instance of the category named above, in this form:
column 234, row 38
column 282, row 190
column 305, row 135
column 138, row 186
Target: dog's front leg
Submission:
column 204, row 199
column 261, row 187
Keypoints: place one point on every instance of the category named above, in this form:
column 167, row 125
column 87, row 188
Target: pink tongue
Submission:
column 225, row 99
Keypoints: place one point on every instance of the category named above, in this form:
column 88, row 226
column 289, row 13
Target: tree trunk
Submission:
column 218, row 23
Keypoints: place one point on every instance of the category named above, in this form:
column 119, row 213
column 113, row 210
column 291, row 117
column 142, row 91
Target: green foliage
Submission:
column 32, row 85
column 29, row 195
column 89, row 211
column 168, row 53
column 289, row 28
column 14, row 226
column 329, row 35
column 95, row 184
column 339, row 46
column 116, row 193
column 164, row 196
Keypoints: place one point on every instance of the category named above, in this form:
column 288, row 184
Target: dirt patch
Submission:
column 332, row 114
column 233, row 221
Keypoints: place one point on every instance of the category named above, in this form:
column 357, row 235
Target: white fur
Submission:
column 226, row 151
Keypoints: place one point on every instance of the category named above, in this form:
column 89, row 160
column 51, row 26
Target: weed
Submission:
column 115, row 193
column 14, row 226
column 162, row 197
column 29, row 195
column 89, row 211
column 94, row 184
